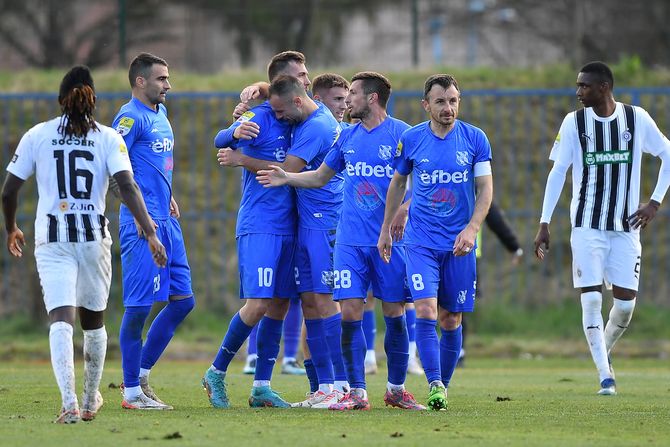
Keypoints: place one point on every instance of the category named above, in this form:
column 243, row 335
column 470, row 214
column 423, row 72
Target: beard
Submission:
column 360, row 114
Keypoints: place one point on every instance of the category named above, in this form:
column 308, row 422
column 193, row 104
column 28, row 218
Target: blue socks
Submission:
column 428, row 346
column 333, row 328
column 130, row 341
column 237, row 333
column 251, row 346
column 311, row 376
column 292, row 328
column 410, row 316
column 269, row 336
column 353, row 352
column 450, row 347
column 369, row 328
column 318, row 347
column 396, row 345
column 162, row 329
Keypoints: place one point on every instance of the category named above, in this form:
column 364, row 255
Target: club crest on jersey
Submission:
column 627, row 136
column 14, row 158
column 443, row 201
column 124, row 126
column 385, row 152
column 367, row 197
column 462, row 158
column 462, row 294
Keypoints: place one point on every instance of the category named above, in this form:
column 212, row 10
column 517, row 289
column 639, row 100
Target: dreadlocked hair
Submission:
column 77, row 101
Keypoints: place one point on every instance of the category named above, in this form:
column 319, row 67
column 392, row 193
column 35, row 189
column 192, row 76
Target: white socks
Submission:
column 620, row 315
column 370, row 357
column 412, row 349
column 592, row 322
column 95, row 349
column 62, row 361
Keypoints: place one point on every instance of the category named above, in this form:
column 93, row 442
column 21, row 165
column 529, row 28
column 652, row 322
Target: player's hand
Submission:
column 645, row 214
column 275, row 176
column 174, row 208
column 246, row 131
column 240, row 109
column 516, row 257
column 140, row 231
column 15, row 242
column 542, row 238
column 229, row 157
column 250, row 92
column 384, row 245
column 398, row 224
column 465, row 241
column 158, row 253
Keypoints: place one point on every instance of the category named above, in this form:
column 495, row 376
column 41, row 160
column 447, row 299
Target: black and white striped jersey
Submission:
column 606, row 156
column 72, row 178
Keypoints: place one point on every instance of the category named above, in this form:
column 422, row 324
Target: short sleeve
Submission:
column 401, row 161
column 22, row 163
column 128, row 126
column 117, row 155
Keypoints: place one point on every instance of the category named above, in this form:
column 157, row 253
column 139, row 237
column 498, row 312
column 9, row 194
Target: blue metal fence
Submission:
column 521, row 125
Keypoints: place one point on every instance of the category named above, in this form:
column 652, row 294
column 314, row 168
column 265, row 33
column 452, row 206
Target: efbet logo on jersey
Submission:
column 280, row 154
column 607, row 158
column 125, row 125
column 443, row 177
column 362, row 169
column 162, row 145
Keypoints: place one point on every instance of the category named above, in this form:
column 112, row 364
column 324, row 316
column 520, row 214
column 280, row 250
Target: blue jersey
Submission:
column 365, row 157
column 443, row 183
column 263, row 210
column 318, row 209
column 150, row 141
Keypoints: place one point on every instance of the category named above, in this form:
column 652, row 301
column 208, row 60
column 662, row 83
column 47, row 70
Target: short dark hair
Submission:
column 280, row 61
column 443, row 80
column 141, row 66
column 374, row 82
column 601, row 70
column 76, row 97
column 327, row 81
column 285, row 85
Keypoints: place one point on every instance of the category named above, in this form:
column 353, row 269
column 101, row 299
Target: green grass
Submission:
column 509, row 402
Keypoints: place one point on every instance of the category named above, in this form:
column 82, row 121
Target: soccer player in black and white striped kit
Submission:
column 72, row 157
column 604, row 143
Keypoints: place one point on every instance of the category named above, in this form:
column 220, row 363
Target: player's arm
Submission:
column 132, row 197
column 233, row 158
column 484, row 184
column 10, row 202
column 394, row 197
column 258, row 90
column 276, row 176
column 400, row 221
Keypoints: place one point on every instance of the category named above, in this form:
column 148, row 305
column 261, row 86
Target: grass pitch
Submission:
column 492, row 402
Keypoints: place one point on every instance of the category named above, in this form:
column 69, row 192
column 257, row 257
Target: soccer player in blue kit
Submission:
column 315, row 129
column 447, row 159
column 144, row 125
column 364, row 153
column 266, row 249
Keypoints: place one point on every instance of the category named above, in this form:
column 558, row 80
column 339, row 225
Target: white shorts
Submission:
column 75, row 273
column 610, row 256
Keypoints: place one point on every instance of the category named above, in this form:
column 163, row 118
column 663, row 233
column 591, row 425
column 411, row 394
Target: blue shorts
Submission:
column 439, row 274
column 266, row 265
column 314, row 260
column 358, row 268
column 144, row 282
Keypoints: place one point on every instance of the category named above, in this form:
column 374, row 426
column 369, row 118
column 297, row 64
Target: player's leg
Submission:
column 423, row 269
column 93, row 282
column 142, row 281
column 413, row 365
column 57, row 268
column 351, row 282
column 370, row 330
column 181, row 302
column 589, row 251
column 292, row 333
column 388, row 283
